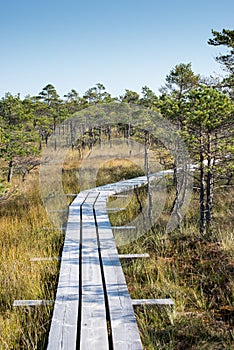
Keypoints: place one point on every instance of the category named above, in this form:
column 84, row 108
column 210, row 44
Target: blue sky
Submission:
column 124, row 44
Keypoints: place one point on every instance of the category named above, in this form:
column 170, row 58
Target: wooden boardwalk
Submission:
column 93, row 308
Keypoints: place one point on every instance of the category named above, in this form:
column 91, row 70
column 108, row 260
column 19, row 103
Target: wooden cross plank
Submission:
column 123, row 227
column 20, row 303
column 139, row 302
column 133, row 256
column 115, row 209
column 53, row 258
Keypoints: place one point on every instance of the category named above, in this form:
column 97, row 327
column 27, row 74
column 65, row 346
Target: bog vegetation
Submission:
column 193, row 265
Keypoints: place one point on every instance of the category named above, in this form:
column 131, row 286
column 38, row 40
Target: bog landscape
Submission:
column 178, row 219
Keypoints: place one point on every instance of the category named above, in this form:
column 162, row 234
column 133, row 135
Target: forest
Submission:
column 193, row 264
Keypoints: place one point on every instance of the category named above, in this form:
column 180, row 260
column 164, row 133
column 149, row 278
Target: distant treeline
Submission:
column 201, row 108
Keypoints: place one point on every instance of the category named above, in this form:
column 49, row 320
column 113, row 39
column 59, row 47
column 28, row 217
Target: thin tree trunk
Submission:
column 175, row 204
column 46, row 138
column 100, row 137
column 181, row 191
column 202, row 189
column 109, row 135
column 209, row 201
column 54, row 126
column 209, row 188
column 72, row 136
column 10, row 171
column 147, row 172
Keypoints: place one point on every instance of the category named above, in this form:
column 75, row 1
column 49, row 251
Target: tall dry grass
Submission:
column 23, row 236
column 196, row 274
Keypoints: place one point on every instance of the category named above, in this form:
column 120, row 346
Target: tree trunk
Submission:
column 10, row 171
column 147, row 171
column 175, row 184
column 100, row 137
column 202, row 190
column 209, row 188
column 176, row 205
column 54, row 126
column 109, row 135
column 46, row 138
column 72, row 133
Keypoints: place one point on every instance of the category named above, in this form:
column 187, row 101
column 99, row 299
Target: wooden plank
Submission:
column 94, row 333
column 123, row 227
column 63, row 330
column 53, row 258
column 124, row 329
column 115, row 209
column 139, row 302
column 53, row 228
column 133, row 256
column 120, row 195
column 20, row 303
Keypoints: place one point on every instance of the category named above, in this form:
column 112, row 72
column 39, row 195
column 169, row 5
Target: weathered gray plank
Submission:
column 123, row 227
column 133, row 256
column 53, row 228
column 19, row 303
column 53, row 258
column 94, row 333
column 63, row 330
column 115, row 209
column 138, row 302
column 123, row 323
